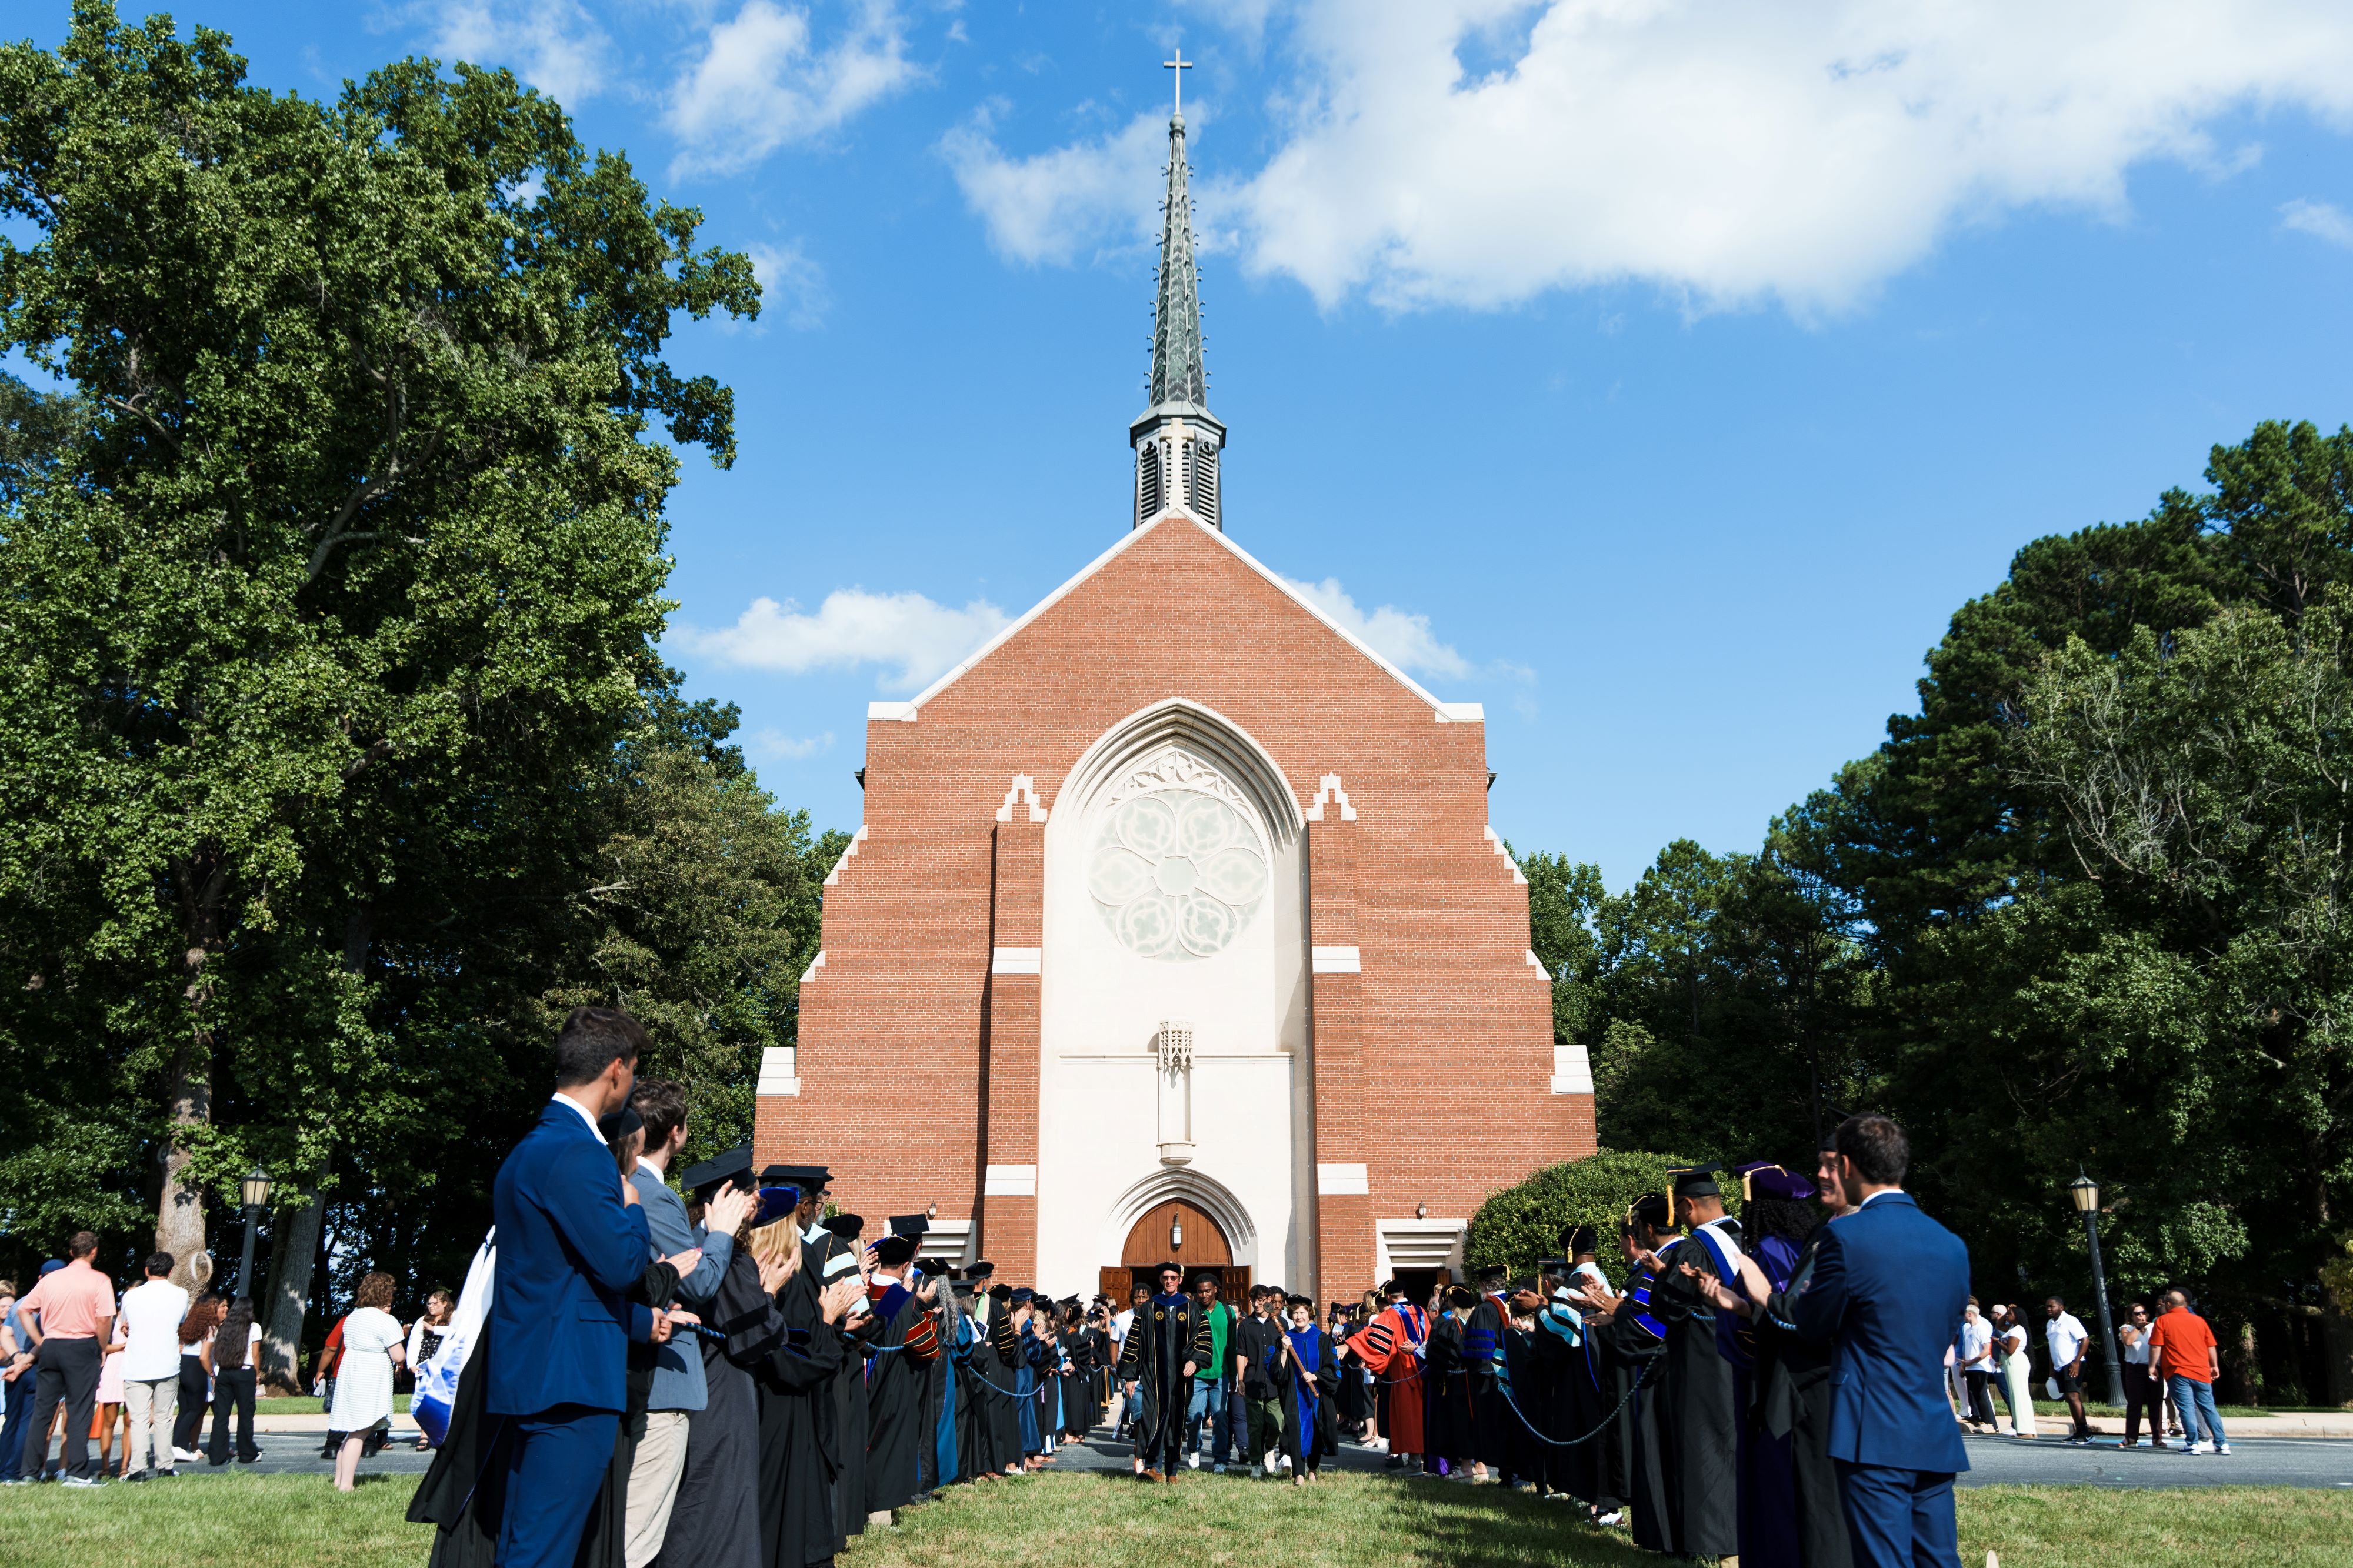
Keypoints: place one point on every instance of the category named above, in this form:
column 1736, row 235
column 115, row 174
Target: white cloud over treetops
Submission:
column 762, row 79
column 1728, row 150
column 914, row 639
column 1398, row 635
column 554, row 45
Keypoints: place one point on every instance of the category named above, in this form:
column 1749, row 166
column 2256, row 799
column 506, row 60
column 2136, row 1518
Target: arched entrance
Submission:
column 1184, row 1232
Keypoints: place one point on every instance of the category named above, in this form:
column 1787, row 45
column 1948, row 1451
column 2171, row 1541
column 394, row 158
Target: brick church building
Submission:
column 1176, row 927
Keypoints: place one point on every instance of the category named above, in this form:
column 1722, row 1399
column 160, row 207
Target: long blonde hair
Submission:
column 778, row 1243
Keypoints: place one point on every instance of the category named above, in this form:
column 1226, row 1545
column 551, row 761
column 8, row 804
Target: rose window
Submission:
column 1177, row 874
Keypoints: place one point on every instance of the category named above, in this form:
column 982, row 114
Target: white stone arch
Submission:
column 1207, row 1193
column 1179, row 722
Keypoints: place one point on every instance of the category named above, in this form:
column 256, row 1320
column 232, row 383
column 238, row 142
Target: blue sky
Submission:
column 1661, row 375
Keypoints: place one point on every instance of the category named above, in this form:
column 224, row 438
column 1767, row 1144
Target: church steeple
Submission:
column 1177, row 440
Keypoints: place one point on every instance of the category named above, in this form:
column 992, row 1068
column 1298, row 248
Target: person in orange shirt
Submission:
column 70, row 1317
column 2182, row 1351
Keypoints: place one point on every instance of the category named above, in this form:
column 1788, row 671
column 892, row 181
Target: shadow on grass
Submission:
column 1461, row 1526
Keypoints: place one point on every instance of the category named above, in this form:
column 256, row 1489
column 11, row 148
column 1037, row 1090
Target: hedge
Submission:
column 1520, row 1225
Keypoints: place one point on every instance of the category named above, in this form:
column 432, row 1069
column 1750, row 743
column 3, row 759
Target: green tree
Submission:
column 1562, row 898
column 324, row 623
column 1523, row 1224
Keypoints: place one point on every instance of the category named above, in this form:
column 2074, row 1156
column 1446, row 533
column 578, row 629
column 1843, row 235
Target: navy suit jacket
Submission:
column 567, row 1247
column 1888, row 1284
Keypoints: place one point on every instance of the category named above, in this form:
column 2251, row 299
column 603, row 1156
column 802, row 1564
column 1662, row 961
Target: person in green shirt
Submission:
column 1213, row 1383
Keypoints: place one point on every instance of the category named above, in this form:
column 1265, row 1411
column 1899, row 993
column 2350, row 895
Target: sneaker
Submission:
column 187, row 1455
column 2200, row 1446
column 1613, row 1518
column 2222, row 1448
column 1217, row 1469
column 85, row 1480
column 135, row 1476
column 1193, row 1460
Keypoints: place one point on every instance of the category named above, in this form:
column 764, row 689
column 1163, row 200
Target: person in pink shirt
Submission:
column 69, row 1318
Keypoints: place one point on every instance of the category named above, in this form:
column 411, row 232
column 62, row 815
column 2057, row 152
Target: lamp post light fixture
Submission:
column 2086, row 1193
column 257, row 1186
column 1176, row 1234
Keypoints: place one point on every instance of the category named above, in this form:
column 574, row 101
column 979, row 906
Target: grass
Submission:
column 304, row 1404
column 2227, row 1412
column 299, row 1521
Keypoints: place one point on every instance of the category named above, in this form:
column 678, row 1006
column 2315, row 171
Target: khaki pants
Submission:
column 152, row 1401
column 653, row 1484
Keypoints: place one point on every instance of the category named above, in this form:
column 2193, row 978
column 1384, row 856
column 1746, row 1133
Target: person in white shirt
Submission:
column 2010, row 1356
column 1975, row 1354
column 150, row 1327
column 2064, row 1334
column 2141, row 1385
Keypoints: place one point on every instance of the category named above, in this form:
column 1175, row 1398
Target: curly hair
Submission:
column 375, row 1291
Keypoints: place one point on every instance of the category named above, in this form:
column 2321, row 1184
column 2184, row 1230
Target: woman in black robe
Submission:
column 793, row 1376
column 716, row 1523
column 1452, row 1423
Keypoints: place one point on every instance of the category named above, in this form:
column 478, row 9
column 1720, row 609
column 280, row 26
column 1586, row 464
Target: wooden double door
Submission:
column 1181, row 1233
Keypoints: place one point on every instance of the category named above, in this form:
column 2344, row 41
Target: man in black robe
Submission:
column 1699, row 1402
column 1483, row 1349
column 846, row 1254
column 1633, row 1343
column 898, row 1365
column 716, row 1523
column 1169, row 1341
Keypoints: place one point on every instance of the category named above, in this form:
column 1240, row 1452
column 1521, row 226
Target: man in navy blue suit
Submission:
column 570, row 1238
column 1887, row 1287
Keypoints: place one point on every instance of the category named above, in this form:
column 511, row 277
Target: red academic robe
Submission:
column 1386, row 1348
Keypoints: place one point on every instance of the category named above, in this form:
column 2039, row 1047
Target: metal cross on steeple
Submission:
column 1180, row 65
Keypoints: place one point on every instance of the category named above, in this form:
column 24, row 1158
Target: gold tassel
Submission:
column 1746, row 1195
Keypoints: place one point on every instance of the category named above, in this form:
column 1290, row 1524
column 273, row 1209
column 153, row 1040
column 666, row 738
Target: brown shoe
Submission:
column 1150, row 1475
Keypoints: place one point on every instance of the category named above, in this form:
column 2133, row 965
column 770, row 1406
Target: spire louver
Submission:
column 1178, row 441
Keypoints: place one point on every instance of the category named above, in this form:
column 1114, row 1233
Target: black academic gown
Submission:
column 1700, row 1413
column 1491, row 1425
column 793, row 1376
column 1635, row 1355
column 1792, row 1402
column 1448, row 1419
column 1167, row 1332
column 899, row 1432
column 716, row 1523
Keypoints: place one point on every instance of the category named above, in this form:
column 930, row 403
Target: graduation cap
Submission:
column 1580, row 1238
column 706, row 1180
column 1175, row 1268
column 909, row 1224
column 618, row 1125
column 1000, row 1293
column 848, row 1226
column 807, row 1178
column 1762, row 1176
column 776, row 1204
column 1695, row 1181
column 1019, row 1294
column 893, row 1250
column 1494, row 1274
column 981, row 1271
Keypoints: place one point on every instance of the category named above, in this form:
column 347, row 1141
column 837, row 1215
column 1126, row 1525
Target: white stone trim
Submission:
column 814, row 965
column 1462, row 713
column 1183, row 519
column 902, row 712
column 1023, row 784
column 779, row 1070
column 857, row 839
column 1418, row 1243
column 1537, row 965
column 1010, row 1182
column 1343, row 1181
column 1335, row 961
column 1572, row 1070
column 948, row 1241
column 1330, row 790
column 1495, row 842
column 1017, row 961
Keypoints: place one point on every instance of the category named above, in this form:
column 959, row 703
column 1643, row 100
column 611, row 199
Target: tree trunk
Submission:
column 202, row 884
column 296, row 1250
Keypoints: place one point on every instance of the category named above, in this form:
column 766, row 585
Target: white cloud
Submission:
column 555, row 45
column 1728, row 151
column 2322, row 220
column 914, row 639
column 1051, row 206
column 761, row 81
column 792, row 286
column 1398, row 635
column 776, row 746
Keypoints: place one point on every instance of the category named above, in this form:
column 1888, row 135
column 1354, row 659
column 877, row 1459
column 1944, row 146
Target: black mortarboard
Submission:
column 1000, row 1293
column 1023, row 1293
column 706, row 1180
column 1580, row 1238
column 1696, row 1182
column 893, row 1250
column 1494, row 1273
column 941, row 1268
column 846, row 1225
column 909, row 1224
column 807, row 1178
column 981, row 1271
column 776, row 1204
column 620, row 1123
column 1175, row 1268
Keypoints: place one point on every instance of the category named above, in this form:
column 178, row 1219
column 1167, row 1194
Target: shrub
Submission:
column 1520, row 1225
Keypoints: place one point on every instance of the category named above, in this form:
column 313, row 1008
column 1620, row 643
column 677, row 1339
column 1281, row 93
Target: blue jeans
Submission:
column 2194, row 1402
column 1210, row 1400
column 19, row 1406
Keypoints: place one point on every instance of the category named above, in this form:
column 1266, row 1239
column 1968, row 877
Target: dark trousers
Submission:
column 68, row 1372
column 556, row 1464
column 1980, row 1396
column 193, row 1397
column 232, row 1390
column 2142, row 1392
column 19, row 1408
column 1899, row 1519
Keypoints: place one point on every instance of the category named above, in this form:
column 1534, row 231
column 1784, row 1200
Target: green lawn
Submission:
column 304, row 1404
column 1083, row 1520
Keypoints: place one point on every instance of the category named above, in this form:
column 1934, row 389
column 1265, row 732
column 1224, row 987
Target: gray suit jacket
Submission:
column 677, row 1366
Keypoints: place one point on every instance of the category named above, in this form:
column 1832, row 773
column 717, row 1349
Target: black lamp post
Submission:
column 2086, row 1194
column 257, row 1199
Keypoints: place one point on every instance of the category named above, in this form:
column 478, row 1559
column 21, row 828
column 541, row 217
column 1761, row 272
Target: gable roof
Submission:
column 1445, row 712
